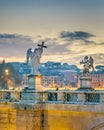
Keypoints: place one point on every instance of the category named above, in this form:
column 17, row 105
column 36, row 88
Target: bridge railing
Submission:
column 74, row 97
column 64, row 97
column 9, row 96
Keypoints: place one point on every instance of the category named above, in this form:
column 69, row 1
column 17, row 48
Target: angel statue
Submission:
column 88, row 64
column 33, row 58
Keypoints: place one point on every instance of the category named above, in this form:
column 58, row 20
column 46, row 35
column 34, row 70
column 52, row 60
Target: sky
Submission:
column 71, row 29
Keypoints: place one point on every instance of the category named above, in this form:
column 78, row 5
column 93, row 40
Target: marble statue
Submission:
column 88, row 64
column 33, row 58
column 29, row 54
column 91, row 61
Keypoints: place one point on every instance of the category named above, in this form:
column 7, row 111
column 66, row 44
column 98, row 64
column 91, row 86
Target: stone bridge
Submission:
column 51, row 110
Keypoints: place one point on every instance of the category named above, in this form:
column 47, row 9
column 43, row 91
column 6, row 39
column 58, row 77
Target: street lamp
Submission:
column 6, row 72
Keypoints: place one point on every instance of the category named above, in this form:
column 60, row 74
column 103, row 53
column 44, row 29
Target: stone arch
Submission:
column 99, row 126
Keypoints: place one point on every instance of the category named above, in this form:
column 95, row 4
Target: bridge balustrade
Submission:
column 92, row 98
column 60, row 96
column 74, row 97
column 70, row 97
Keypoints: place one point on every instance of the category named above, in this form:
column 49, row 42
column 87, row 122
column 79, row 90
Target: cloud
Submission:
column 54, row 47
column 13, row 47
column 14, row 39
column 98, row 58
column 12, row 36
column 77, row 35
column 73, row 50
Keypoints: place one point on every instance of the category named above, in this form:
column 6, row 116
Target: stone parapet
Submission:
column 53, row 96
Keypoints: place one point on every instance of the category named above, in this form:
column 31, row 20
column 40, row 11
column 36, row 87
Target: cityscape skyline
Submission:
column 70, row 29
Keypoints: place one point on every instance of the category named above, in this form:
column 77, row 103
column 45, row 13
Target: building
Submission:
column 97, row 80
column 70, row 77
column 51, row 81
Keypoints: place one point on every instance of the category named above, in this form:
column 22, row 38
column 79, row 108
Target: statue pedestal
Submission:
column 35, row 82
column 32, row 93
column 85, row 83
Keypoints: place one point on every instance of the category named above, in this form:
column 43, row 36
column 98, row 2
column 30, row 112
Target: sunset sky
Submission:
column 70, row 28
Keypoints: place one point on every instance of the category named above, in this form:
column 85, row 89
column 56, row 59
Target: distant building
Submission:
column 47, row 81
column 97, row 80
column 70, row 77
column 51, row 81
column 55, row 73
column 63, row 78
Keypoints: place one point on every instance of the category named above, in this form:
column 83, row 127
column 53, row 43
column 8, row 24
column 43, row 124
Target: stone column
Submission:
column 45, row 96
column 33, row 92
column 34, row 82
column 85, row 83
column 39, row 96
column 81, row 97
column 101, row 97
column 60, row 97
